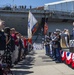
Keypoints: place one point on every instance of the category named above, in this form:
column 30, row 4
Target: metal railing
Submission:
column 47, row 12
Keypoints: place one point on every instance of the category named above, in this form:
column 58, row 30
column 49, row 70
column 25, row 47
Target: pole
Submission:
column 45, row 15
column 44, row 22
column 13, row 4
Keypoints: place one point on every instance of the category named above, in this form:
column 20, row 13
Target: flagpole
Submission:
column 45, row 18
column 32, row 25
column 45, row 14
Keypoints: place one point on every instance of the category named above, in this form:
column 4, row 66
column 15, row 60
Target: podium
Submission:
column 71, row 46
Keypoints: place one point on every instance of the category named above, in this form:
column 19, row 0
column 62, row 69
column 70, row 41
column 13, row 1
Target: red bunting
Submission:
column 63, row 55
column 72, row 61
column 68, row 58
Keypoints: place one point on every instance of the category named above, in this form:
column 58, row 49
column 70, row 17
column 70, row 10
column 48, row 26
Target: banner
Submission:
column 31, row 24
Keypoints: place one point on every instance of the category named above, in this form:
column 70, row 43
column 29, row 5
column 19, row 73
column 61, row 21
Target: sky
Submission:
column 34, row 3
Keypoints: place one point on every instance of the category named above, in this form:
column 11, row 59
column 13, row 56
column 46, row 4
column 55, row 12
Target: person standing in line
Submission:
column 23, row 48
column 12, row 46
column 2, row 40
column 20, row 47
column 58, row 46
column 47, row 44
column 25, row 45
column 15, row 53
column 54, row 45
column 8, row 51
column 73, row 33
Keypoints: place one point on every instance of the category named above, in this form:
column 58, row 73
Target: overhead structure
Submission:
column 65, row 6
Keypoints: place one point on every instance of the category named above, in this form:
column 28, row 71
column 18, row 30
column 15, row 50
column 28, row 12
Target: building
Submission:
column 63, row 12
column 64, row 6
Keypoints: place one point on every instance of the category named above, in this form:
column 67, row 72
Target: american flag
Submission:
column 45, row 28
column 32, row 22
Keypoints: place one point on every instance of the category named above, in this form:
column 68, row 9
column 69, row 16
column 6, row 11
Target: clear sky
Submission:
column 33, row 3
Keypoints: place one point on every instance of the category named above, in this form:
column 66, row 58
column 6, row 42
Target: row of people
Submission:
column 13, row 46
column 53, row 43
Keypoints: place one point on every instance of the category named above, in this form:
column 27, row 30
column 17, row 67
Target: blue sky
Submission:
column 33, row 3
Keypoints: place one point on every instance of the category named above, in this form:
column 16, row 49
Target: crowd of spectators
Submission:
column 13, row 45
column 55, row 42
